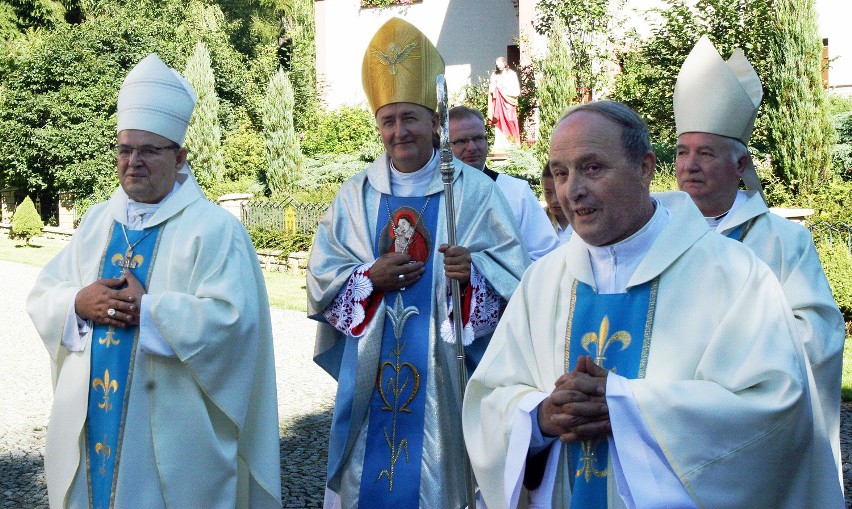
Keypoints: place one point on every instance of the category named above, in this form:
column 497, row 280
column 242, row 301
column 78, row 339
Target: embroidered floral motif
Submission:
column 485, row 307
column 347, row 310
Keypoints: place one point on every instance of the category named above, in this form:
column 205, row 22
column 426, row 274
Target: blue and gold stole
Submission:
column 615, row 329
column 741, row 231
column 394, row 444
column 113, row 351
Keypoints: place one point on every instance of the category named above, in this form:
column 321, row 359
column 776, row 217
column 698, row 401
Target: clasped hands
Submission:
column 386, row 271
column 576, row 410
column 122, row 294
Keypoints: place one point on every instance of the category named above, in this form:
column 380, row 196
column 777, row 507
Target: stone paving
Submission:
column 305, row 396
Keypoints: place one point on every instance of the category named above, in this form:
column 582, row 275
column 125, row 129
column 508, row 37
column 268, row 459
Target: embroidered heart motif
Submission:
column 400, row 376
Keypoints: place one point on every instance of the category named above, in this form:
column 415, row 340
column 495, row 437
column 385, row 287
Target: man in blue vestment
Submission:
column 385, row 329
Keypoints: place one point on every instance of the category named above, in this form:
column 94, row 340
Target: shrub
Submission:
column 267, row 238
column 26, row 223
column 837, row 263
column 347, row 130
column 664, row 178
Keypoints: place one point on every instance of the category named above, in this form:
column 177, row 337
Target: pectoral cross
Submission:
column 130, row 260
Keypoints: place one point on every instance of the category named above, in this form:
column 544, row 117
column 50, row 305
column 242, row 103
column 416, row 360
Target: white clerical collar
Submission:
column 725, row 219
column 414, row 183
column 613, row 265
column 138, row 213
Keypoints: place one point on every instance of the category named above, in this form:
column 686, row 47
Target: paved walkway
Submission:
column 306, row 396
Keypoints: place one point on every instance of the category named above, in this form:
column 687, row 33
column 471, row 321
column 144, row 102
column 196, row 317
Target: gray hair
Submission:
column 461, row 112
column 634, row 132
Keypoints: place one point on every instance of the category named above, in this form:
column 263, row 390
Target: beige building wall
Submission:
column 469, row 34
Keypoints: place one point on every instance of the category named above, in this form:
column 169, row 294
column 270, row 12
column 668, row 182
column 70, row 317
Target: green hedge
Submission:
column 837, row 263
column 264, row 238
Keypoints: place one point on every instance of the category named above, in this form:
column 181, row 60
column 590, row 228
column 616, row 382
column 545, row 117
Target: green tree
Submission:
column 283, row 156
column 26, row 223
column 243, row 152
column 556, row 90
column 800, row 136
column 650, row 67
column 203, row 137
column 298, row 56
column 586, row 27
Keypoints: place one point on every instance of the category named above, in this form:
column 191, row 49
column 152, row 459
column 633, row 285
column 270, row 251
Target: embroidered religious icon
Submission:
column 405, row 234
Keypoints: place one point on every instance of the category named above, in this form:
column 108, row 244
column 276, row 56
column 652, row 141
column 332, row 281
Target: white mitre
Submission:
column 157, row 99
column 718, row 97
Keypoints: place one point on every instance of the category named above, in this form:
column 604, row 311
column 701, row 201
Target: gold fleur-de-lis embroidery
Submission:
column 109, row 339
column 588, row 458
column 396, row 386
column 106, row 385
column 394, row 55
column 603, row 341
column 103, row 450
column 130, row 261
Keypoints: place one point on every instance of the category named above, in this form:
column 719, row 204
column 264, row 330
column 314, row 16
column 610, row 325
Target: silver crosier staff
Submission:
column 447, row 171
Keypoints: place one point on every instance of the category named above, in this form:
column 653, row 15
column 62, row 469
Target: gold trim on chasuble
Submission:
column 107, row 340
column 602, row 340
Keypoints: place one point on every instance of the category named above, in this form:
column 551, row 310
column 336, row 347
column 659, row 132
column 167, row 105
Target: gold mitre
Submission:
column 714, row 96
column 400, row 65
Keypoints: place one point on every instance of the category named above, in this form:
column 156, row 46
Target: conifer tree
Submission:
column 26, row 223
column 557, row 89
column 799, row 133
column 283, row 155
column 203, row 137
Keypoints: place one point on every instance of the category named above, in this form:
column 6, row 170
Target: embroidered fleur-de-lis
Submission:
column 103, row 450
column 106, row 385
column 394, row 55
column 588, row 458
column 603, row 341
column 393, row 395
column 109, row 339
column 130, row 261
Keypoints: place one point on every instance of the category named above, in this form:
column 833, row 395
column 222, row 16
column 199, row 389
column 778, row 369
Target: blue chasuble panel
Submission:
column 394, row 445
column 615, row 330
column 113, row 351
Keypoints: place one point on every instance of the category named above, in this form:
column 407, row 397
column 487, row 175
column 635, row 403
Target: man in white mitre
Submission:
column 470, row 144
column 385, row 331
column 715, row 105
column 629, row 369
column 156, row 320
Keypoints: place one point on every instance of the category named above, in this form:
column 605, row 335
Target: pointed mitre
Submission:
column 715, row 96
column 155, row 98
column 400, row 65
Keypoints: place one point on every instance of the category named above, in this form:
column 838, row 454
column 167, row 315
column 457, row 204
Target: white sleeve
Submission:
column 151, row 341
column 643, row 474
column 538, row 234
column 75, row 331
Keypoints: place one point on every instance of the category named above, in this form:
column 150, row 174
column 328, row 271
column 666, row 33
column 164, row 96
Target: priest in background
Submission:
column 715, row 105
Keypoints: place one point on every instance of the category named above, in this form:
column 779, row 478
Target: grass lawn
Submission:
column 285, row 291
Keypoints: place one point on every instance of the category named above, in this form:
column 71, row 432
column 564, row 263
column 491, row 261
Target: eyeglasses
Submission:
column 145, row 152
column 461, row 142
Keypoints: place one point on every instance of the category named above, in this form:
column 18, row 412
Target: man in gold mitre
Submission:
column 384, row 308
column 715, row 106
